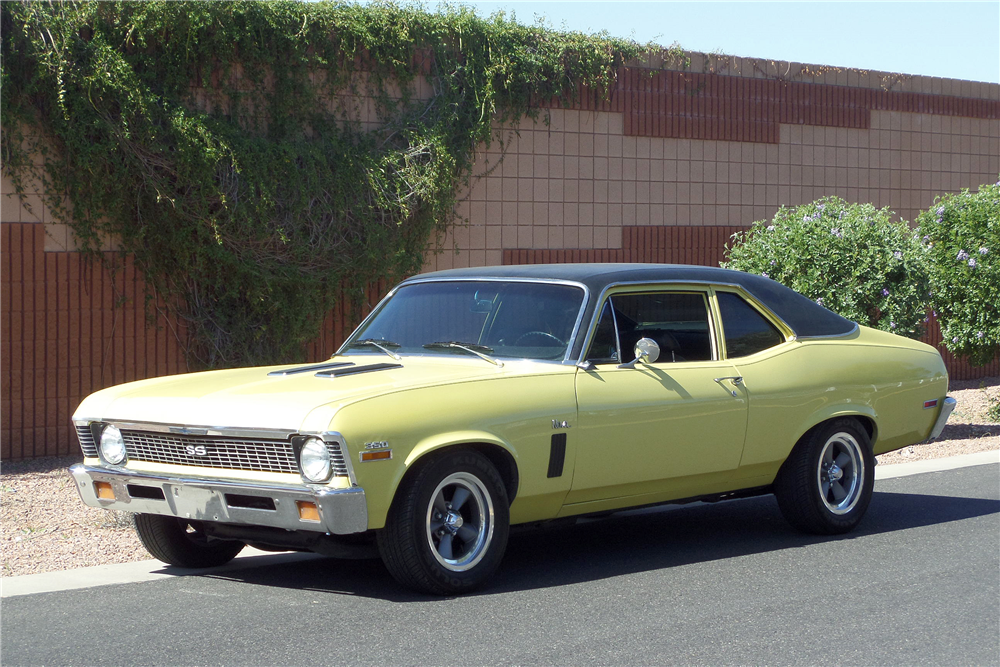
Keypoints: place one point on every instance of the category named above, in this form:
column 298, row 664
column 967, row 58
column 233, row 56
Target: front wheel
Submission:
column 447, row 529
column 826, row 484
column 182, row 543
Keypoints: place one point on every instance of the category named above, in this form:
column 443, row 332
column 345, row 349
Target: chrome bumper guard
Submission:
column 946, row 407
column 341, row 511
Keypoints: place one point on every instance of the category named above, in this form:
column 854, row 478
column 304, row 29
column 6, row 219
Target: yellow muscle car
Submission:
column 474, row 399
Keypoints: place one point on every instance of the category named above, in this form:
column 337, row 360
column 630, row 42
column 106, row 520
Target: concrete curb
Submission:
column 126, row 573
column 936, row 465
column 152, row 570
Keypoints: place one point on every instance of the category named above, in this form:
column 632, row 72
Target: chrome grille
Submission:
column 220, row 452
column 87, row 443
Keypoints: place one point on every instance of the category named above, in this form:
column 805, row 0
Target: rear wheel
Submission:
column 181, row 542
column 447, row 529
column 826, row 484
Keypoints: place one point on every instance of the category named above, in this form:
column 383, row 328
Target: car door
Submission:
column 671, row 428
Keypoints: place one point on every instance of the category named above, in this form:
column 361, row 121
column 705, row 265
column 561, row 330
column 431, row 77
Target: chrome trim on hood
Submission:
column 337, row 372
column 313, row 367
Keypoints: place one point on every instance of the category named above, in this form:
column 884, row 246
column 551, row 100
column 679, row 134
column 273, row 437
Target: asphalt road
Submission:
column 918, row 583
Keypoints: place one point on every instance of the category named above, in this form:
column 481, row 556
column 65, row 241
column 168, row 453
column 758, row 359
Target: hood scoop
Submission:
column 338, row 372
column 314, row 367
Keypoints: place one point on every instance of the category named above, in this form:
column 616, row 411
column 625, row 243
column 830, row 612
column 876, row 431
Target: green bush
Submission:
column 993, row 411
column 962, row 234
column 850, row 258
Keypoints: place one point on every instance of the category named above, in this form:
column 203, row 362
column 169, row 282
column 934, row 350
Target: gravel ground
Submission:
column 44, row 527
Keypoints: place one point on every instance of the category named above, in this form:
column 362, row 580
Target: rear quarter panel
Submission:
column 800, row 384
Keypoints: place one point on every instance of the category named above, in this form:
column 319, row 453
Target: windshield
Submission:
column 520, row 320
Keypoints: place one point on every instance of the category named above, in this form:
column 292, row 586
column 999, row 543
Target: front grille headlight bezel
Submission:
column 315, row 460
column 111, row 448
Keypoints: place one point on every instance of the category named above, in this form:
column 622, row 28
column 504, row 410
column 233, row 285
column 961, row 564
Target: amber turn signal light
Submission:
column 104, row 491
column 307, row 511
column 382, row 455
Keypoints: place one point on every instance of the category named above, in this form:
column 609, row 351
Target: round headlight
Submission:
column 314, row 459
column 112, row 445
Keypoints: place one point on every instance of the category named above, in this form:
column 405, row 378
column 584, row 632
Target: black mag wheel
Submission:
column 447, row 529
column 826, row 484
column 181, row 542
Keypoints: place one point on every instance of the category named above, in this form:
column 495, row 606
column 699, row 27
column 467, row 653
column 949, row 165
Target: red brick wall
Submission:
column 709, row 106
column 695, row 105
column 63, row 338
column 69, row 328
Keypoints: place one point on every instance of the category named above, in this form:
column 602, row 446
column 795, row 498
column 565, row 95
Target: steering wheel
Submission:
column 549, row 339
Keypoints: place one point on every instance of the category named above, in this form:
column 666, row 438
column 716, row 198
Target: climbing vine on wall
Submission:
column 221, row 143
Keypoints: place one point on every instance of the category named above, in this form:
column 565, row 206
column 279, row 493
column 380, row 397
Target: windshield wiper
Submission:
column 383, row 345
column 475, row 349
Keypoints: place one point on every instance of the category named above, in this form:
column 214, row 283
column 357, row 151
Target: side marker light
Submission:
column 382, row 455
column 307, row 511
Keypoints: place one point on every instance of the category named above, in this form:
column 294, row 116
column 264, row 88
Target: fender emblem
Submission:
column 560, row 424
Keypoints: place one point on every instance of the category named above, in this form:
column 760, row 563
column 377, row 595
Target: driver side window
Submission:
column 677, row 321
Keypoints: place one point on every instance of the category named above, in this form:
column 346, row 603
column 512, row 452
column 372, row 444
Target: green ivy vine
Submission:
column 250, row 211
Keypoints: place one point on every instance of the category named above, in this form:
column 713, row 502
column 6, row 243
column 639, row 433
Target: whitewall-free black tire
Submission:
column 446, row 531
column 826, row 484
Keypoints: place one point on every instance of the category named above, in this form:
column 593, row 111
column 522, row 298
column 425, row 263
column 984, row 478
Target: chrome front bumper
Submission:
column 341, row 511
column 946, row 407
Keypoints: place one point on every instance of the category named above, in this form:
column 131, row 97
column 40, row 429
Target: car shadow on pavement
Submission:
column 620, row 544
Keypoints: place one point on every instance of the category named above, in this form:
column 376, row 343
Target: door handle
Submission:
column 735, row 379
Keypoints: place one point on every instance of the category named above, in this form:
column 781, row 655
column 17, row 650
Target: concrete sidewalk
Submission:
column 151, row 570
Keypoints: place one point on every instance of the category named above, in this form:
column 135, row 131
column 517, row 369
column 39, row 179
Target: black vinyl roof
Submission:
column 804, row 316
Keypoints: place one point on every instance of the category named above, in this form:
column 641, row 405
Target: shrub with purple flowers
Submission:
column 962, row 235
column 850, row 258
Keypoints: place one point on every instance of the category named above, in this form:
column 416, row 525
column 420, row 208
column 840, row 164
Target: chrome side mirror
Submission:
column 646, row 350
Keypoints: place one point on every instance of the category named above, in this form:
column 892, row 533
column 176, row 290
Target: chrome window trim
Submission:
column 472, row 279
column 847, row 334
column 714, row 334
column 700, row 283
column 614, row 319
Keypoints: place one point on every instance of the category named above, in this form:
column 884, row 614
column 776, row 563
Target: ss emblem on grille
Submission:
column 196, row 450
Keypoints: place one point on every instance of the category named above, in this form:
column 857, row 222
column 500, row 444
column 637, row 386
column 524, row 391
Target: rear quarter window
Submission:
column 746, row 330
